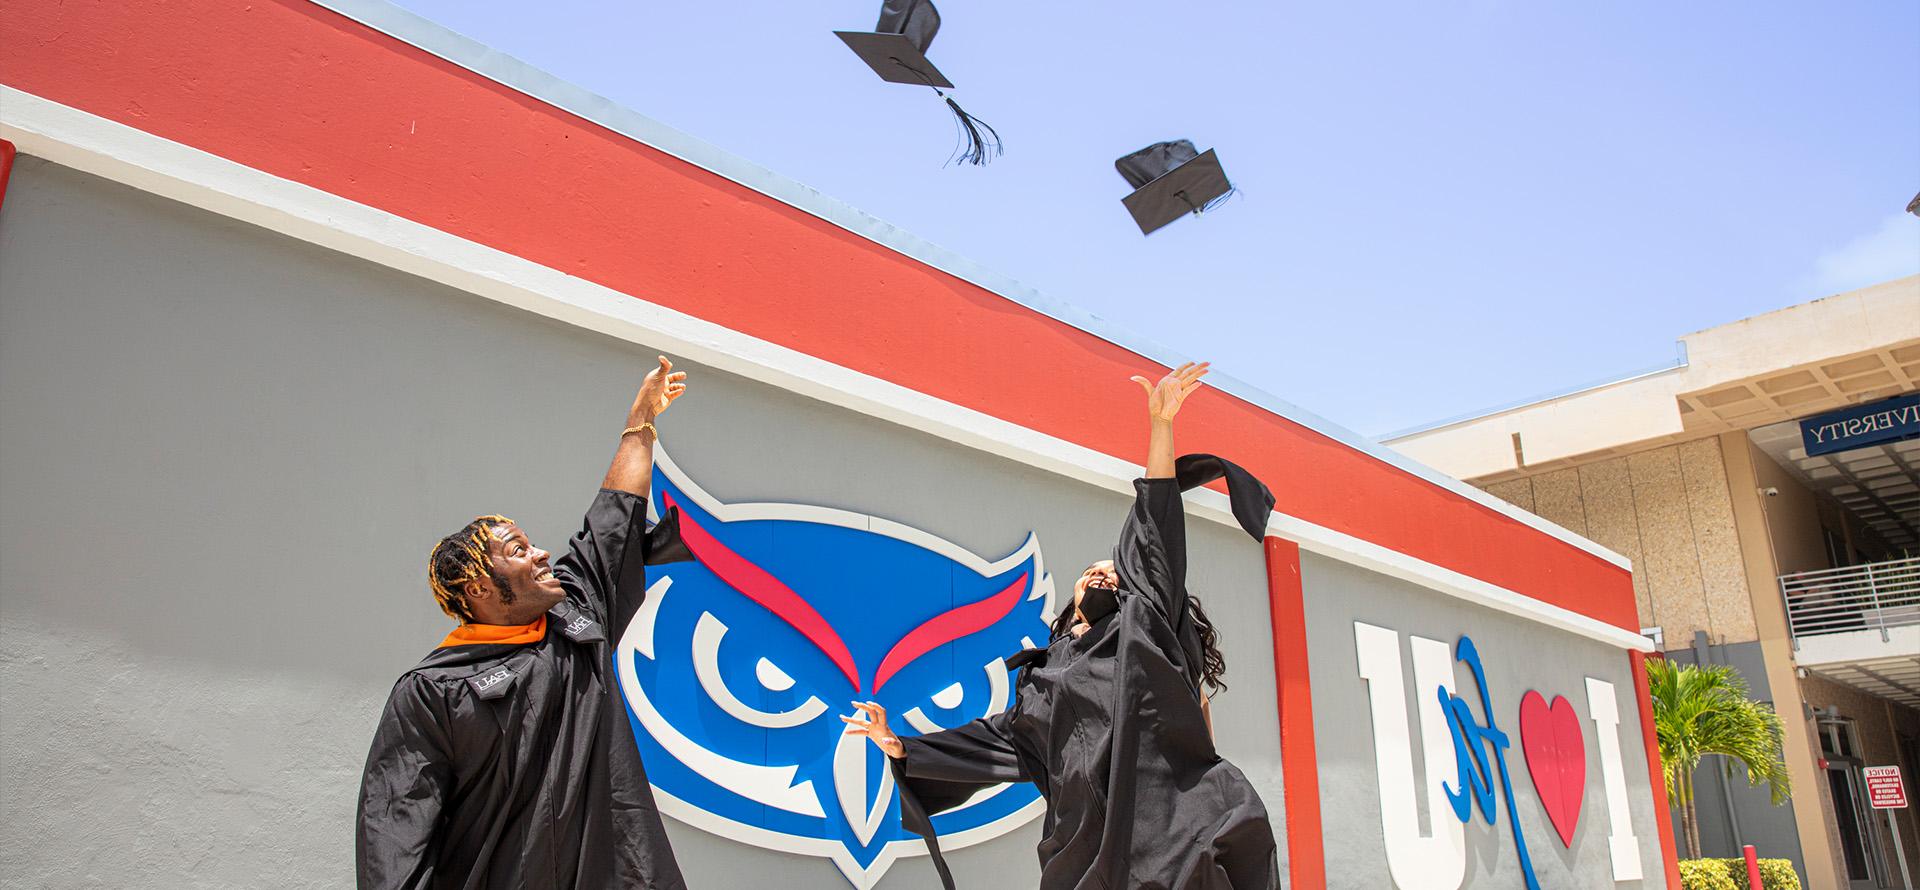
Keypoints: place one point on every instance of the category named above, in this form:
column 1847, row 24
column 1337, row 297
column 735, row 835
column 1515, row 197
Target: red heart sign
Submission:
column 1557, row 758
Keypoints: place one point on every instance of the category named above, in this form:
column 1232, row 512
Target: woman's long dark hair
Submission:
column 1213, row 665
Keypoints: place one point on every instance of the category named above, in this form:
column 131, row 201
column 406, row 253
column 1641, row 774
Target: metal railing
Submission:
column 1875, row 596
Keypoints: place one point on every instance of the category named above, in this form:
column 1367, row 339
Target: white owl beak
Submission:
column 862, row 808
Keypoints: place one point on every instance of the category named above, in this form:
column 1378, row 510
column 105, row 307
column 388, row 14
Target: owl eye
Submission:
column 999, row 689
column 771, row 676
column 707, row 635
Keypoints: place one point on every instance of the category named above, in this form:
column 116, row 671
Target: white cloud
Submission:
column 1889, row 252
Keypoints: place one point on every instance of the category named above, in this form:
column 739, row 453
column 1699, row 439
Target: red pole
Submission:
column 1753, row 867
column 1299, row 765
column 1669, row 859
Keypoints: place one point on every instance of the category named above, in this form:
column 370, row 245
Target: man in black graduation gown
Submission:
column 504, row 759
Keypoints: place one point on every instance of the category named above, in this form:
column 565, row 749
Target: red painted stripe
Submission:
column 299, row 92
column 6, row 168
column 758, row 585
column 1299, row 764
column 947, row 627
column 1662, row 815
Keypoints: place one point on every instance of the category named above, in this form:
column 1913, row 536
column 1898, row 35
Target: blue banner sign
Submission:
column 1862, row 425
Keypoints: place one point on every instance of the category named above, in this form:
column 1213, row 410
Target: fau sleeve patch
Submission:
column 493, row 683
column 576, row 624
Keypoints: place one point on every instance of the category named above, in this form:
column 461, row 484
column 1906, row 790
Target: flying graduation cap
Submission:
column 1170, row 180
column 896, row 50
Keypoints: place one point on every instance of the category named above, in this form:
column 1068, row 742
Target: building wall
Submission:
column 1799, row 520
column 1667, row 509
column 1338, row 596
column 1794, row 518
column 1751, row 474
column 226, row 454
column 1676, row 512
column 1879, row 723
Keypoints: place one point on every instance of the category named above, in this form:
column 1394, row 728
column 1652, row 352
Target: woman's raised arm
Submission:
column 1163, row 402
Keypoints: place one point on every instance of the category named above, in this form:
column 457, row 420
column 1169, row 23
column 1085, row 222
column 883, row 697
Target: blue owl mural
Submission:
column 739, row 662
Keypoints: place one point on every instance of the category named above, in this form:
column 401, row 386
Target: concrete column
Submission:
column 1801, row 748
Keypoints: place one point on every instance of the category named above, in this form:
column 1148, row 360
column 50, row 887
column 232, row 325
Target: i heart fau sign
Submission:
column 1556, row 757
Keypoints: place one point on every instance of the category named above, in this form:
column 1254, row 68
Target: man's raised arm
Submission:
column 603, row 566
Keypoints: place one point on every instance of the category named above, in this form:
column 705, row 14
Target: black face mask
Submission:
column 1098, row 603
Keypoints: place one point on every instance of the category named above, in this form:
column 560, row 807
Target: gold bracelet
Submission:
column 645, row 427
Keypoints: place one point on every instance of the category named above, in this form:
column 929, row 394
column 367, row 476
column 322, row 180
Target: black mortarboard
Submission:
column 896, row 50
column 1170, row 180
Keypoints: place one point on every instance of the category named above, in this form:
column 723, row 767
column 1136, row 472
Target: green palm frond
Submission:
column 1699, row 711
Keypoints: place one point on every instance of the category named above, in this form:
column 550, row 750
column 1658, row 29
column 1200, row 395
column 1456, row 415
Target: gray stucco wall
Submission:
column 223, row 459
column 1518, row 656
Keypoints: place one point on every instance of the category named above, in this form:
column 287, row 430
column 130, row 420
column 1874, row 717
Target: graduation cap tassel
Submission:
column 974, row 144
column 896, row 49
column 1210, row 204
column 1233, row 191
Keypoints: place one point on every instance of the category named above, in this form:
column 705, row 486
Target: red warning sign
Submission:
column 1884, row 788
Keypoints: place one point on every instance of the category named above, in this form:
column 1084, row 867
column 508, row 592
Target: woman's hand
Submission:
column 1165, row 398
column 661, row 387
column 872, row 723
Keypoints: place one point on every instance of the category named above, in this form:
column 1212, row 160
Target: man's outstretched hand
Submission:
column 660, row 388
column 632, row 468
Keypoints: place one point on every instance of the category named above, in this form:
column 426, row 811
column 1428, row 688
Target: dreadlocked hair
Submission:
column 1213, row 665
column 460, row 559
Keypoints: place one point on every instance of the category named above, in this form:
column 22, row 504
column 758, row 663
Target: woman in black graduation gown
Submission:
column 1110, row 720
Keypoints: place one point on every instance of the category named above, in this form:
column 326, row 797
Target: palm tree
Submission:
column 1705, row 710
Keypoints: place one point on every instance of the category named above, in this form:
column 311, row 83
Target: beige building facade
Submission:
column 1800, row 570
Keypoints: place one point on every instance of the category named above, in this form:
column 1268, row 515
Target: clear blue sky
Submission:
column 1448, row 205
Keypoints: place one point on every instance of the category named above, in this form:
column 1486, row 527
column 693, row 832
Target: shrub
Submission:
column 1775, row 874
column 1708, row 874
column 1731, row 874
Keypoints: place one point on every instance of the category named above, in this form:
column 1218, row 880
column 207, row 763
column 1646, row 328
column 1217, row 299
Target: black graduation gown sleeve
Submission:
column 1151, row 557
column 604, row 568
column 941, row 770
column 406, row 785
column 1252, row 503
column 604, row 573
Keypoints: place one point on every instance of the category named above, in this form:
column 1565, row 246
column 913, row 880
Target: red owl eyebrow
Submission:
column 765, row 589
column 947, row 627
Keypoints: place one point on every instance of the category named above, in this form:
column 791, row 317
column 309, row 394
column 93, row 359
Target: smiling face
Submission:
column 1101, row 574
column 522, row 586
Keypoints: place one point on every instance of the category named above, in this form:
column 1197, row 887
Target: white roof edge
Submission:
column 1679, row 363
column 438, row 40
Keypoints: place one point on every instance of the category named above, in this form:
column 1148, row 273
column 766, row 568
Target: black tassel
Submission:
column 974, row 145
column 977, row 137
